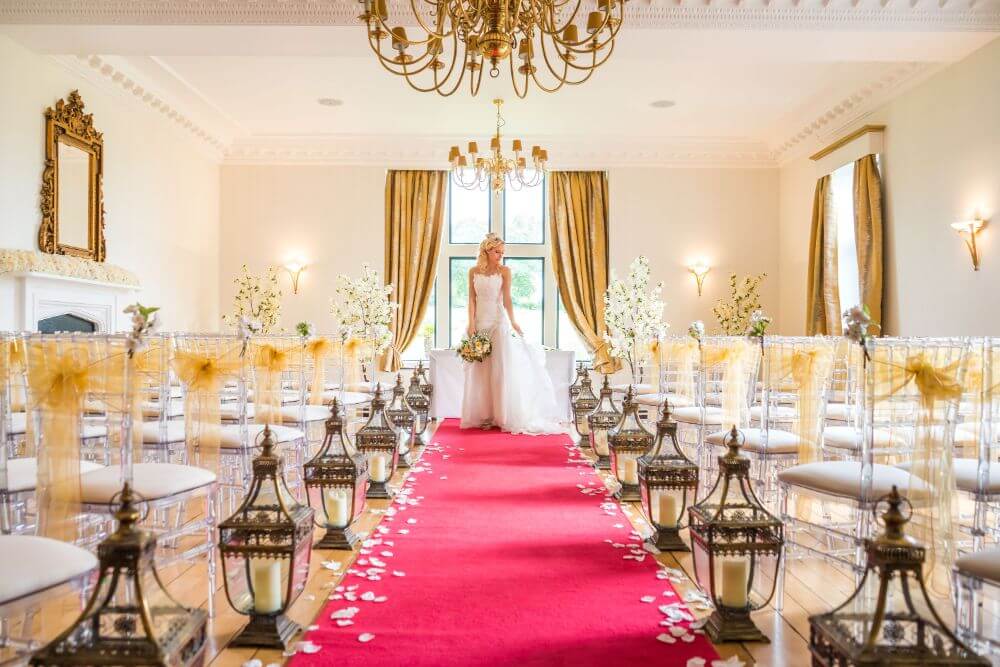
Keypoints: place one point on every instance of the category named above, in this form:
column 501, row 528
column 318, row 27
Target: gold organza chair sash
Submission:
column 932, row 476
column 683, row 355
column 733, row 356
column 318, row 350
column 204, row 376
column 803, row 372
column 352, row 349
column 269, row 362
column 12, row 360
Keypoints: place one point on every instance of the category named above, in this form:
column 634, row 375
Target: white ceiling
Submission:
column 749, row 94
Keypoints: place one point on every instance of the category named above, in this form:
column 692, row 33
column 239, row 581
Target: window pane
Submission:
column 842, row 188
column 527, row 289
column 524, row 215
column 458, row 315
column 415, row 350
column 567, row 337
column 469, row 214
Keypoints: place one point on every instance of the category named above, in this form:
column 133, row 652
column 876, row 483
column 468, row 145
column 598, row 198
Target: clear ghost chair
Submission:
column 796, row 378
column 161, row 399
column 336, row 374
column 677, row 361
column 910, row 397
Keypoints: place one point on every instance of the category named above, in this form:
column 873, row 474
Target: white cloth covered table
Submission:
column 448, row 378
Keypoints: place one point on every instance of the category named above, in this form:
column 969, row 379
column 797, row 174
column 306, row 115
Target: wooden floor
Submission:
column 811, row 587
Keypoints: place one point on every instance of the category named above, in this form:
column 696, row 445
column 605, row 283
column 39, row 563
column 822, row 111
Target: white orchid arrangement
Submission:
column 633, row 313
column 257, row 303
column 144, row 323
column 759, row 322
column 362, row 308
column 697, row 330
column 857, row 320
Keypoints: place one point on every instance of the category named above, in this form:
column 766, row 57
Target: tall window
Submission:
column 842, row 191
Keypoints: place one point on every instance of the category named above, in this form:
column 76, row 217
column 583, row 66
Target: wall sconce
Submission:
column 699, row 270
column 968, row 229
column 295, row 270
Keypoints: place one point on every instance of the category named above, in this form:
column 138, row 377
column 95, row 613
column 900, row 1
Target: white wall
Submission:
column 941, row 163
column 333, row 217
column 160, row 192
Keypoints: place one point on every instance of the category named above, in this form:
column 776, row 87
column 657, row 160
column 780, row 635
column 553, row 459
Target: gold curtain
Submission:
column 823, row 297
column 868, row 233
column 578, row 220
column 414, row 215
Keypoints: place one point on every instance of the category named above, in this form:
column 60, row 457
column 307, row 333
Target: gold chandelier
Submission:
column 493, row 169
column 458, row 36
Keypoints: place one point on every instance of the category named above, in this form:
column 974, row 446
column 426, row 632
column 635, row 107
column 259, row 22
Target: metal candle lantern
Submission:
column 732, row 537
column 425, row 385
column 419, row 403
column 336, row 481
column 266, row 546
column 627, row 441
column 584, row 403
column 404, row 419
column 378, row 441
column 899, row 627
column 600, row 421
column 574, row 387
column 668, row 482
column 130, row 619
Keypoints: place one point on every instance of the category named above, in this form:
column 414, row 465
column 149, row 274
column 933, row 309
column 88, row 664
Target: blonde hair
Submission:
column 489, row 243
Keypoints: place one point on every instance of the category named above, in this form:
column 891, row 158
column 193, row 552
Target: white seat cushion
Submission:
column 349, row 397
column 848, row 437
column 230, row 437
column 692, row 415
column 22, row 473
column 308, row 413
column 18, row 423
column 965, row 475
column 150, row 480
column 151, row 409
column 356, row 387
column 637, row 389
column 778, row 441
column 777, row 412
column 32, row 564
column 173, row 432
column 230, row 411
column 843, row 478
column 840, row 412
column 657, row 400
column 982, row 565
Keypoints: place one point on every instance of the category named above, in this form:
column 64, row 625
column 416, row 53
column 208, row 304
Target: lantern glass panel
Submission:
column 336, row 505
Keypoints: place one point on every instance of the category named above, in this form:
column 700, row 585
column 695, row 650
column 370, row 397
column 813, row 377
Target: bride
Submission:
column 510, row 388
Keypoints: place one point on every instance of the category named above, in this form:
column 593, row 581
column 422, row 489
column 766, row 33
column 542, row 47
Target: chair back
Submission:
column 728, row 369
column 278, row 376
column 678, row 358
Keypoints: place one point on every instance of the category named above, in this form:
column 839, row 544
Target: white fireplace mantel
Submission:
column 27, row 297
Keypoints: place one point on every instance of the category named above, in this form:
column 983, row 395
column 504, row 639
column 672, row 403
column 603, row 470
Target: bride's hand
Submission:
column 470, row 331
column 517, row 328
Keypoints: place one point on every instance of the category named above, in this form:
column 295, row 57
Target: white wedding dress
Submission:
column 510, row 388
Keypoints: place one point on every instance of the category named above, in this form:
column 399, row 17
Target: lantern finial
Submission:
column 733, row 443
column 267, row 443
column 128, row 514
column 665, row 420
column 893, row 518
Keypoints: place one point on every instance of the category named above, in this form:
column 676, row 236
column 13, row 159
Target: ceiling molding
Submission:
column 108, row 71
column 977, row 15
column 424, row 153
column 815, row 129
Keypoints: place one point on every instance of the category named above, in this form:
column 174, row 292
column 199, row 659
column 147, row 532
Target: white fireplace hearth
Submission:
column 28, row 297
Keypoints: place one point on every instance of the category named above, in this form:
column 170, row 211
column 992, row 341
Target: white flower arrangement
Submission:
column 29, row 261
column 857, row 320
column 362, row 308
column 257, row 303
column 697, row 330
column 144, row 323
column 744, row 299
column 758, row 324
column 633, row 313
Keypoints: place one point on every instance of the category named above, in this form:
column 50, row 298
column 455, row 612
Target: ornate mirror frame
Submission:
column 67, row 124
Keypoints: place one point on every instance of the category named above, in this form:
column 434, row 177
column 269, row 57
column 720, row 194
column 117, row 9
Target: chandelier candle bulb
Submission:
column 266, row 577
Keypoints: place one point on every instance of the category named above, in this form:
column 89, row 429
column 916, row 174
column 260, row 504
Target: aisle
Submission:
column 498, row 557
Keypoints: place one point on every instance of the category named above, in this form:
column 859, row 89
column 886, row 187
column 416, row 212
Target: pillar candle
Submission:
column 335, row 503
column 376, row 468
column 629, row 473
column 735, row 573
column 266, row 578
column 601, row 441
column 584, row 425
column 667, row 506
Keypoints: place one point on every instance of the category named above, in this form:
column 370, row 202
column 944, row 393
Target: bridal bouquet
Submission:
column 476, row 347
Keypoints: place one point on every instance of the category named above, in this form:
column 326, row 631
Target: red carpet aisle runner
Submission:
column 499, row 553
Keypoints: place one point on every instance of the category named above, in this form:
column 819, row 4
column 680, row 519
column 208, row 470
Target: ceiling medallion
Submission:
column 493, row 170
column 459, row 37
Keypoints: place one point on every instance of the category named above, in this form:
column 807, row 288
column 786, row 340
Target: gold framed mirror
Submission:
column 72, row 200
